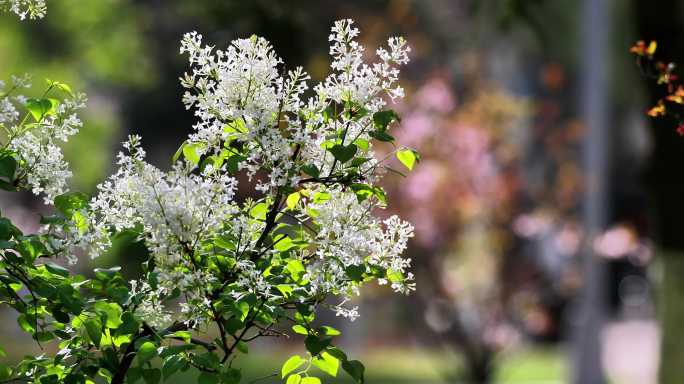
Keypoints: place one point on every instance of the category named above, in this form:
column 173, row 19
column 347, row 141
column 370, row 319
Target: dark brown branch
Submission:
column 272, row 214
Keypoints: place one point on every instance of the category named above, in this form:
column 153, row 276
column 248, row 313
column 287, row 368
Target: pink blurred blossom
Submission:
column 436, row 95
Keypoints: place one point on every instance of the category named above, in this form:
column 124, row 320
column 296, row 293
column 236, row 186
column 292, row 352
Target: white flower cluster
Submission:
column 249, row 110
column 238, row 94
column 175, row 212
column 34, row 9
column 354, row 79
column 176, row 209
column 350, row 236
column 36, row 141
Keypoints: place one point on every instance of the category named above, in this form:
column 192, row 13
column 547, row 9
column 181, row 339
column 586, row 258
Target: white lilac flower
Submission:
column 238, row 94
column 350, row 235
column 151, row 309
column 36, row 143
column 176, row 209
column 34, row 9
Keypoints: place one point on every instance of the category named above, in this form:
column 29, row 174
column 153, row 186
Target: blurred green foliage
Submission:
column 95, row 50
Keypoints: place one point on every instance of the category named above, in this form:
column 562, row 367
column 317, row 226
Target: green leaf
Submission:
column 5, row 372
column 365, row 191
column 310, row 380
column 381, row 136
column 49, row 379
column 57, row 269
column 183, row 335
column 355, row 272
column 176, row 349
column 294, row 379
column 71, row 202
column 233, row 163
column 5, row 228
column 300, row 329
column 134, row 374
column 231, row 376
column 336, row 352
column 43, row 337
column 315, row 344
column 327, row 144
column 93, row 327
column 112, row 313
column 382, row 119
column 25, row 324
column 178, row 152
column 296, row 269
column 329, row 113
column 233, row 325
column 321, row 197
column 343, row 153
column 293, row 199
column 259, row 211
column 327, row 363
column 31, row 247
column 39, row 108
column 355, row 369
column 291, row 364
column 61, row 86
column 8, row 166
column 329, row 331
column 172, row 364
column 236, row 126
column 284, row 244
column 52, row 219
column 129, row 324
column 192, row 151
column 360, row 160
column 242, row 347
column 409, row 157
column 285, row 289
column 146, row 352
column 240, row 309
column 363, row 144
column 207, row 378
column 395, row 276
column 311, row 170
column 151, row 376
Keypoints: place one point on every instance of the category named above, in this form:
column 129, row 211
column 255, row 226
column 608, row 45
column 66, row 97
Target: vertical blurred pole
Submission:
column 587, row 365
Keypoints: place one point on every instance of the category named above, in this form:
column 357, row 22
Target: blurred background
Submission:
column 546, row 205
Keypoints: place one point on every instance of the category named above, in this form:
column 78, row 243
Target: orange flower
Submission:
column 658, row 110
column 640, row 48
column 677, row 96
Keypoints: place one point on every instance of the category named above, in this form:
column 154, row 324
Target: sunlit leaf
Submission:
column 291, row 364
column 409, row 157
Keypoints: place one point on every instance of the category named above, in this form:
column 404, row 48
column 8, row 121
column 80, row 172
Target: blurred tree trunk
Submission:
column 589, row 310
column 478, row 357
column 662, row 21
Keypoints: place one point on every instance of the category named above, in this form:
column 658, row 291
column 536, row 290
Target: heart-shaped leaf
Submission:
column 409, row 157
column 343, row 153
column 40, row 108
